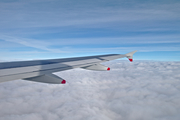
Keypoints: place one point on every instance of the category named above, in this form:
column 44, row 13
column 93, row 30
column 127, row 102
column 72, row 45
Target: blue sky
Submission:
column 44, row 29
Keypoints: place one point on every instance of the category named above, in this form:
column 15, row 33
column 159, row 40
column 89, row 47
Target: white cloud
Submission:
column 71, row 47
column 119, row 40
column 31, row 43
column 124, row 49
column 55, row 13
column 130, row 91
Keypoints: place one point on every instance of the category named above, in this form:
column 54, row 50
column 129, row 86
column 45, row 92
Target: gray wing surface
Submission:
column 40, row 70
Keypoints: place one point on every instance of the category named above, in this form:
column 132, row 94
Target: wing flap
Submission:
column 97, row 67
column 47, row 78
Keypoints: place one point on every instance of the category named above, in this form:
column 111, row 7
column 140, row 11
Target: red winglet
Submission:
column 130, row 60
column 63, row 82
column 108, row 68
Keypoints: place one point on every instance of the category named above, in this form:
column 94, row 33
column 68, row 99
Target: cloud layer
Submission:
column 130, row 91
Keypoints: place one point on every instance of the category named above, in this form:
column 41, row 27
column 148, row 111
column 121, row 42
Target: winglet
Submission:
column 130, row 55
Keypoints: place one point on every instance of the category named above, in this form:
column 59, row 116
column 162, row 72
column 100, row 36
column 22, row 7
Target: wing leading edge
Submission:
column 40, row 70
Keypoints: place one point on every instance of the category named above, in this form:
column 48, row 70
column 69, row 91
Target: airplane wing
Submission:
column 41, row 70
